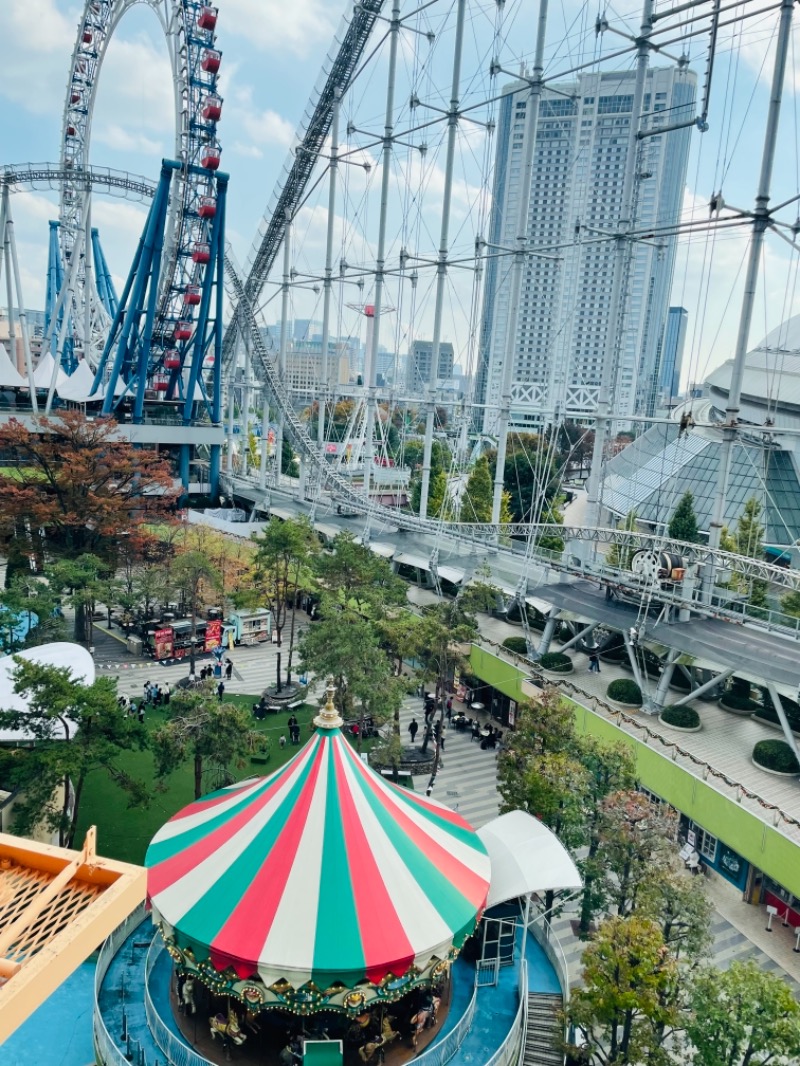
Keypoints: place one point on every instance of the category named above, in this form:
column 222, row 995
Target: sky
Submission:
column 272, row 55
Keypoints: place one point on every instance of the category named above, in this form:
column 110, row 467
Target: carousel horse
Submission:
column 424, row 1019
column 367, row 1051
column 226, row 1028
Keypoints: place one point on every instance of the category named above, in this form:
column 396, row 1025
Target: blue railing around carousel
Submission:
column 177, row 1053
column 444, row 1050
column 108, row 1054
column 510, row 1051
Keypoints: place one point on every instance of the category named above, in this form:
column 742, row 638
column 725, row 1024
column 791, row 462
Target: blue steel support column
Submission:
column 153, row 273
column 53, row 275
column 216, row 399
column 103, row 279
column 140, row 272
column 98, row 377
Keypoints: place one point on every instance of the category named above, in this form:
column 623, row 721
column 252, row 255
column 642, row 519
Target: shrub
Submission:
column 740, row 686
column 776, row 755
column 790, row 708
column 557, row 661
column 519, row 645
column 739, row 703
column 623, row 690
column 682, row 717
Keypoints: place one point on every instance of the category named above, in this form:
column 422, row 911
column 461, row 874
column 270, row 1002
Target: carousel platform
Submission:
column 138, row 985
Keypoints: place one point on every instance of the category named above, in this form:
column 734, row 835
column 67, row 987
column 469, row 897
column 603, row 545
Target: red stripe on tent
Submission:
column 244, row 933
column 208, row 803
column 166, row 873
column 383, row 938
column 471, row 885
column 445, row 814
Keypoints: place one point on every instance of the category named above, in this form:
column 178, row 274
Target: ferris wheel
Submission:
column 159, row 337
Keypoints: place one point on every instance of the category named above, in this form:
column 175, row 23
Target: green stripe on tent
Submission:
column 161, row 850
column 454, row 908
column 212, row 911
column 337, row 944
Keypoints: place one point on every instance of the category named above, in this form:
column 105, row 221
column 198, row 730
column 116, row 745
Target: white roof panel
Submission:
column 526, row 857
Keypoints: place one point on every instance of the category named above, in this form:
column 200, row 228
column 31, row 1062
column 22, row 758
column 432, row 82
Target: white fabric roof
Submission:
column 407, row 559
column 10, row 377
column 526, row 857
column 451, row 574
column 43, row 374
column 78, row 385
column 60, row 653
column 542, row 606
column 386, row 551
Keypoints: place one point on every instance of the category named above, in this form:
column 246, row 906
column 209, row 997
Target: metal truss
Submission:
column 53, row 176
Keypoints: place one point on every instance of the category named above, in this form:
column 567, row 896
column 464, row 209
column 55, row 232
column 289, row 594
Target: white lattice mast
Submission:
column 370, row 378
column 284, row 341
column 327, row 285
column 441, row 263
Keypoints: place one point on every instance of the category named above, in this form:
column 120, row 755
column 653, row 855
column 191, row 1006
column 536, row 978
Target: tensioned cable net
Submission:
column 320, row 875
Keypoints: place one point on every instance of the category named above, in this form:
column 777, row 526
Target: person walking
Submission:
column 594, row 663
column 413, row 727
column 449, row 708
column 228, row 669
column 166, row 694
column 220, row 691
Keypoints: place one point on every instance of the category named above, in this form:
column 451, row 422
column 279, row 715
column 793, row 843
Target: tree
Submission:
column 635, row 837
column 750, row 543
column 28, row 602
column 790, row 604
column 683, row 524
column 354, row 578
column 744, row 1016
column 283, row 555
column 74, row 730
column 440, row 464
column 618, row 555
column 85, row 581
column 531, row 475
column 476, row 503
column 400, row 634
column 445, row 627
column 81, row 483
column 213, row 734
column 191, row 574
column 625, row 971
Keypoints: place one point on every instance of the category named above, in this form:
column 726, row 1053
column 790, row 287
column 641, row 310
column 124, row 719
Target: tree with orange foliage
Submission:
column 73, row 486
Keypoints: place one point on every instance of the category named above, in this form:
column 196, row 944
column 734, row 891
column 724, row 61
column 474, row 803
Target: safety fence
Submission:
column 440, row 1053
column 106, row 1050
column 177, row 1053
column 510, row 1051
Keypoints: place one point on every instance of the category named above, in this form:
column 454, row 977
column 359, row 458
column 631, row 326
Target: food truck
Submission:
column 173, row 640
column 251, row 627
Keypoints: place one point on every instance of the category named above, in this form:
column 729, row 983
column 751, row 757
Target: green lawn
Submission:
column 124, row 833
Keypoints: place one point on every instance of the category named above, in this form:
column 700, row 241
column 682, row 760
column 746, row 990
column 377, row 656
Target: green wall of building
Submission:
column 759, row 843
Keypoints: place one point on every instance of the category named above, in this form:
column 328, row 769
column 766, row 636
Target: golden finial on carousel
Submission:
column 329, row 717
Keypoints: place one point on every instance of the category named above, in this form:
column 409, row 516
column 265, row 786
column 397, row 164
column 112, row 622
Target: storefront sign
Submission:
column 162, row 643
column 213, row 635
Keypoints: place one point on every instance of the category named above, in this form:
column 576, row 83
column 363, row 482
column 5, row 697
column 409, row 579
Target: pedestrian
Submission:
column 413, row 727
column 146, row 691
column 282, row 742
column 449, row 708
column 159, row 696
column 141, row 713
column 594, row 663
column 132, row 710
column 166, row 694
column 228, row 669
column 220, row 691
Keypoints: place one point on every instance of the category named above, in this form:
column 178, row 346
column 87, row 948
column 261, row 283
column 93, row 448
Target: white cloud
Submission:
column 122, row 140
column 263, row 126
column 275, row 26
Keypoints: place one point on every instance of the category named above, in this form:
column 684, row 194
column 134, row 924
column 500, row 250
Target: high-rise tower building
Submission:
column 669, row 372
column 418, row 367
column 578, row 172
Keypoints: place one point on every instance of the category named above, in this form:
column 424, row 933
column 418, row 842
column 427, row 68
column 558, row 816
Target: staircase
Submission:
column 545, row 1032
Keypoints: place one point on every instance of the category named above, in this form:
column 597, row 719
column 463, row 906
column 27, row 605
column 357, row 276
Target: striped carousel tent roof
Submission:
column 320, row 872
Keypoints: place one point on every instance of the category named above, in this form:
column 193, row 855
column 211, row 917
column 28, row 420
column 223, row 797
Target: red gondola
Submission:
column 160, row 383
column 70, row 131
column 201, row 253
column 191, row 296
column 87, row 36
column 172, row 361
column 75, row 97
column 211, row 108
column 183, row 331
column 210, row 158
column 211, row 60
column 207, row 207
column 207, row 19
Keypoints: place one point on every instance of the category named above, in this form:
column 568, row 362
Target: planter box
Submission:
column 550, row 672
column 623, row 706
column 775, row 773
column 681, row 728
column 748, row 713
column 771, row 725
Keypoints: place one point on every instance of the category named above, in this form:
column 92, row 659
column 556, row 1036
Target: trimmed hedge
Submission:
column 739, row 703
column 790, row 708
column 518, row 645
column 623, row 690
column 682, row 717
column 776, row 755
column 556, row 661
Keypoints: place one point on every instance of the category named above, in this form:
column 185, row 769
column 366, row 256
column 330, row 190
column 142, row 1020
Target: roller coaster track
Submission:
column 478, row 533
column 53, row 175
column 300, row 164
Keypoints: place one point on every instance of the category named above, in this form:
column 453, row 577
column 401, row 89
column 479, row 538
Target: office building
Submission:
column 577, row 184
column 671, row 362
column 418, row 366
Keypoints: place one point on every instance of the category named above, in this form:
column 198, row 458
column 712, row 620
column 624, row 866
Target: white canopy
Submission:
column 526, row 857
column 60, row 653
column 78, row 385
column 10, row 377
column 43, row 374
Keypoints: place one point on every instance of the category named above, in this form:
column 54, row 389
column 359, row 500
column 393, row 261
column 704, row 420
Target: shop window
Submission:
column 705, row 843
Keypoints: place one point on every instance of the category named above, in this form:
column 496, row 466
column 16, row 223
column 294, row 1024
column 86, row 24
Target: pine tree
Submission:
column 617, row 555
column 683, row 524
column 477, row 503
column 750, row 543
